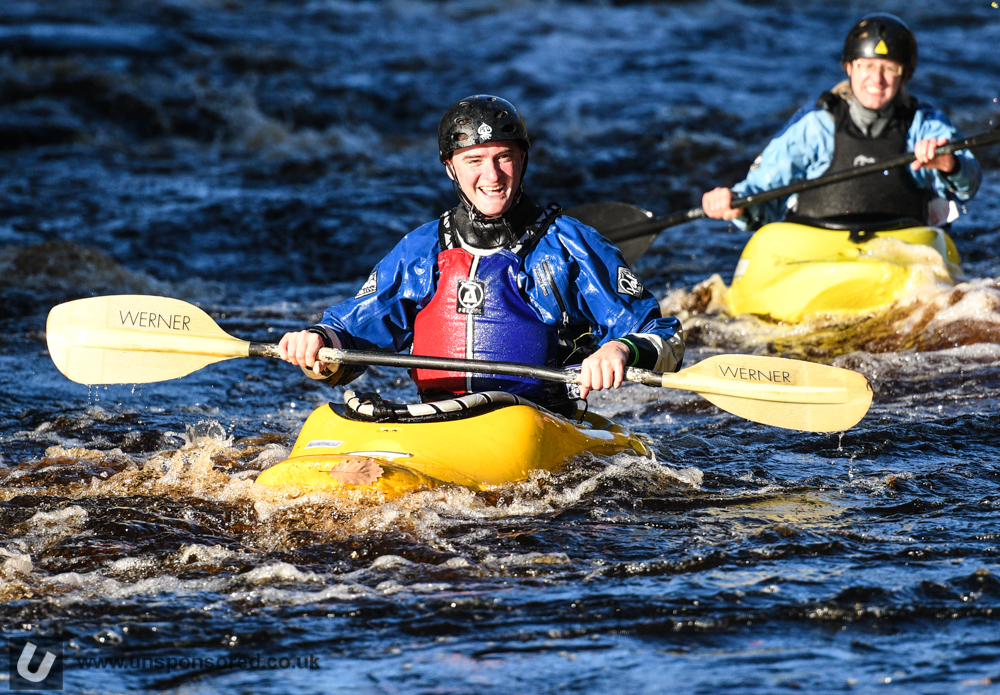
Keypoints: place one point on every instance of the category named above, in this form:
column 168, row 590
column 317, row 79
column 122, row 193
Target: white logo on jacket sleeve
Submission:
column 370, row 286
column 628, row 283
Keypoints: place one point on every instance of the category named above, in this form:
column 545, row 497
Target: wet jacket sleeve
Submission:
column 960, row 184
column 802, row 150
column 380, row 316
column 574, row 276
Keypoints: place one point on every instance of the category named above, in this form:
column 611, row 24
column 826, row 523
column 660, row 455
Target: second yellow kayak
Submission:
column 790, row 270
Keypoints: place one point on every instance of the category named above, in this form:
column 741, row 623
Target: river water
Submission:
column 257, row 158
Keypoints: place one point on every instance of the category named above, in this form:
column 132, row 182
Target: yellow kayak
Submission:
column 333, row 452
column 789, row 270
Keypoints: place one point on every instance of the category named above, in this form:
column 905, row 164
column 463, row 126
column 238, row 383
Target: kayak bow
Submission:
column 790, row 270
column 336, row 453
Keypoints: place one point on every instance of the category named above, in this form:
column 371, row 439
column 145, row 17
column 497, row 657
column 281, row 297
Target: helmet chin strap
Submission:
column 464, row 199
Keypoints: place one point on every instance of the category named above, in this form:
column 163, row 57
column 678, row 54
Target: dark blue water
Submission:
column 258, row 158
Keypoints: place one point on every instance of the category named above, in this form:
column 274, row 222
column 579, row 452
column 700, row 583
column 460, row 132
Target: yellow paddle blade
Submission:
column 135, row 339
column 775, row 391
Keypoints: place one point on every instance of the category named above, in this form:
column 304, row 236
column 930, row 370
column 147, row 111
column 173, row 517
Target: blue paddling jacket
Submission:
column 804, row 149
column 570, row 279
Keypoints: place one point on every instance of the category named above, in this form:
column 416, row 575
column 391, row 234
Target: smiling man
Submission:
column 866, row 118
column 497, row 278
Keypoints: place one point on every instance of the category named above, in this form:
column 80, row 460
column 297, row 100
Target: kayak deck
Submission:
column 790, row 270
column 493, row 448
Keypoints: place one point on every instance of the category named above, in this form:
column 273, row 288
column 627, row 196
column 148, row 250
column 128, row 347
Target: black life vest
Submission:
column 880, row 195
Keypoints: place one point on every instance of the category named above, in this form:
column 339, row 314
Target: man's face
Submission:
column 489, row 175
column 875, row 81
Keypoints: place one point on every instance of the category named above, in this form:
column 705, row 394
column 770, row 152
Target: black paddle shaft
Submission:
column 639, row 229
column 391, row 359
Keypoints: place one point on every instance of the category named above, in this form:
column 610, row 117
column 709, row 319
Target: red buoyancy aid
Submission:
column 478, row 312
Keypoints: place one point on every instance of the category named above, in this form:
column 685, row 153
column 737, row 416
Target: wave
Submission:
column 934, row 316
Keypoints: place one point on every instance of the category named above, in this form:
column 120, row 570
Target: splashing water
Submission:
column 259, row 158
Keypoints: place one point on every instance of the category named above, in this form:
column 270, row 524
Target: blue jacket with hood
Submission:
column 803, row 149
column 594, row 287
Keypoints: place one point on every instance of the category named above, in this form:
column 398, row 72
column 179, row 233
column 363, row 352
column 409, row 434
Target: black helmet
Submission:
column 477, row 120
column 882, row 36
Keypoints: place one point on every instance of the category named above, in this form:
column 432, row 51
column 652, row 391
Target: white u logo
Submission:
column 25, row 660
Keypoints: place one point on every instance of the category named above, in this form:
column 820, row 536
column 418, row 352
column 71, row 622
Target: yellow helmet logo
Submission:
column 882, row 49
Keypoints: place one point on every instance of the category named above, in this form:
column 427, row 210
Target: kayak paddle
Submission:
column 135, row 339
column 626, row 224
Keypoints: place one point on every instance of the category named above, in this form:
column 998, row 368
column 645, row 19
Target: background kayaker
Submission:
column 497, row 278
column 860, row 121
